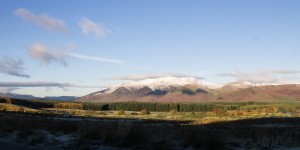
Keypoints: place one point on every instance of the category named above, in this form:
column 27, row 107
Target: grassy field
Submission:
column 262, row 125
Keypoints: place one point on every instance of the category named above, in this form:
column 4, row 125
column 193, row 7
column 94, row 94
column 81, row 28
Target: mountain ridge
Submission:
column 175, row 89
column 31, row 97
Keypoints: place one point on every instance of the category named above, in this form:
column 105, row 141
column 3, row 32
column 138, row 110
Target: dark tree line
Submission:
column 129, row 106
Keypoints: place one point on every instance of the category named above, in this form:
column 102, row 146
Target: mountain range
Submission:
column 24, row 96
column 188, row 89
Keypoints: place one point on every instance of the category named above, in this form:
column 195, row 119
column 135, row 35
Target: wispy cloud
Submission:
column 285, row 71
column 16, row 85
column 88, row 26
column 148, row 76
column 34, row 84
column 42, row 53
column 262, row 76
column 42, row 20
column 12, row 67
column 7, row 89
column 93, row 58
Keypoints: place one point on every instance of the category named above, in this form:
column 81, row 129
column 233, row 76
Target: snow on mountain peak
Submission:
column 165, row 83
column 239, row 84
column 162, row 83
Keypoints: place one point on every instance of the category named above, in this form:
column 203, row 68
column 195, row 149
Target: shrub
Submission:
column 173, row 112
column 134, row 113
column 271, row 110
column 102, row 113
column 145, row 112
column 218, row 112
column 121, row 112
column 21, row 109
column 8, row 100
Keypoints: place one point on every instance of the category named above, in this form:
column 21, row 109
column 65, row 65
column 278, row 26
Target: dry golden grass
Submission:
column 196, row 117
column 11, row 107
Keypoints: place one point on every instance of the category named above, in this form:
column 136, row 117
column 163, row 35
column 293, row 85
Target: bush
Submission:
column 173, row 112
column 271, row 110
column 145, row 112
column 134, row 113
column 218, row 112
column 121, row 112
column 8, row 100
column 102, row 113
column 21, row 109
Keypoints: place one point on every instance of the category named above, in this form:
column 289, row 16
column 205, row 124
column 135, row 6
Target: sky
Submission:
column 55, row 48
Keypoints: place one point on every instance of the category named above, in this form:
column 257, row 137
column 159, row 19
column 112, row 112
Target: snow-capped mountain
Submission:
column 163, row 83
column 238, row 85
column 188, row 89
column 246, row 84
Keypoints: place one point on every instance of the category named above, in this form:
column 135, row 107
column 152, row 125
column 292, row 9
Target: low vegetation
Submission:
column 121, row 112
column 145, row 112
column 41, row 132
column 150, row 106
column 132, row 125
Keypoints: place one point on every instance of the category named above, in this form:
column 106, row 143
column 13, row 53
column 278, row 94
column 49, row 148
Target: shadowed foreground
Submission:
column 57, row 132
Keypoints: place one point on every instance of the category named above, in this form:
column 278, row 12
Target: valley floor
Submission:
column 56, row 128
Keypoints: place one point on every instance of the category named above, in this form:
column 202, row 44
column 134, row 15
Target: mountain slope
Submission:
column 18, row 96
column 172, row 89
column 164, row 83
column 265, row 93
column 60, row 98
column 23, row 96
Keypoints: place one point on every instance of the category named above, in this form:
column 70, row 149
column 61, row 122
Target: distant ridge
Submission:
column 30, row 97
column 61, row 98
column 188, row 89
column 18, row 96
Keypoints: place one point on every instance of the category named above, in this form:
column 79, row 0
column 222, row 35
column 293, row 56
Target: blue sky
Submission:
column 77, row 47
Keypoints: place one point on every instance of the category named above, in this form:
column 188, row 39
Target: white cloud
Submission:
column 7, row 89
column 148, row 76
column 33, row 84
column 40, row 52
column 12, row 67
column 93, row 58
column 16, row 85
column 10, row 86
column 88, row 26
column 42, row 20
column 284, row 71
column 262, row 76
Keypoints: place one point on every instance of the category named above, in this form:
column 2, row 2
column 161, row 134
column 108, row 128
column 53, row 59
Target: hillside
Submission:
column 12, row 107
column 172, row 89
column 18, row 96
column 23, row 96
